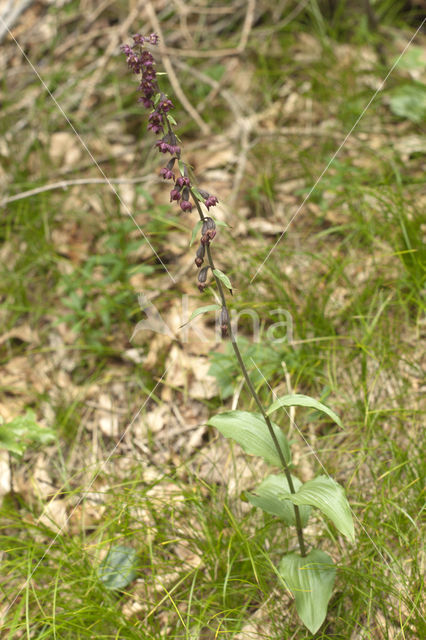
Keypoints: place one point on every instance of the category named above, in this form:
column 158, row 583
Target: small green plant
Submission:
column 308, row 573
column 92, row 310
column 22, row 432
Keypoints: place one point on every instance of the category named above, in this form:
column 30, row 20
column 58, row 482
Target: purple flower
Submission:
column 175, row 195
column 155, row 122
column 153, row 38
column 163, row 147
column 165, row 105
column 168, row 144
column 167, row 173
column 185, row 205
column 183, row 181
column 211, row 201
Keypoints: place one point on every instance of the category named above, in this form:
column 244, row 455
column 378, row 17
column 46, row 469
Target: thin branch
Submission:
column 171, row 74
column 64, row 184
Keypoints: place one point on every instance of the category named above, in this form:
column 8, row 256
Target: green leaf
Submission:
column 198, row 195
column 329, row 497
column 181, row 166
column 19, row 433
column 200, row 310
column 118, row 569
column 271, row 496
column 412, row 60
column 171, row 119
column 9, row 442
column 195, row 231
column 299, row 400
column 310, row 580
column 219, row 223
column 252, row 434
column 223, row 278
column 409, row 101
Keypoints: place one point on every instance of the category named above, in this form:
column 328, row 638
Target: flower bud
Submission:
column 199, row 256
column 202, row 278
column 185, row 205
column 183, row 181
column 167, row 172
column 208, row 230
column 174, row 195
column 224, row 320
column 211, row 201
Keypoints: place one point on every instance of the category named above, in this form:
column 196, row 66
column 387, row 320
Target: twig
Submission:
column 170, row 72
column 11, row 14
column 248, row 23
column 116, row 38
column 64, row 184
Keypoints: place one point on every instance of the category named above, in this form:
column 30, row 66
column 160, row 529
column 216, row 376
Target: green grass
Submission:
column 349, row 271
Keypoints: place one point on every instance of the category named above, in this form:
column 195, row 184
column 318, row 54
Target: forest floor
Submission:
column 309, row 128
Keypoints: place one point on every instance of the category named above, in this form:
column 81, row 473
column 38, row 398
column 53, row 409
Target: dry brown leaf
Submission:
column 41, row 480
column 54, row 516
column 23, row 332
column 64, row 148
column 5, row 475
column 186, row 555
column 108, row 418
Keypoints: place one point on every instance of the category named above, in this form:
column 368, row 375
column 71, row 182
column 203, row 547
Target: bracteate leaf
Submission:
column 329, row 497
column 198, row 195
column 195, row 230
column 223, row 278
column 310, row 580
column 271, row 496
column 200, row 310
column 252, row 434
column 299, row 400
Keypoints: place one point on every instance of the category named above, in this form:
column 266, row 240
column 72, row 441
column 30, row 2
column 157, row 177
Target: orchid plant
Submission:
column 308, row 573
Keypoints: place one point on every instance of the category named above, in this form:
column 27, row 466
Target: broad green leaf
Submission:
column 271, row 496
column 409, row 101
column 329, row 497
column 200, row 310
column 195, row 231
column 19, row 433
column 118, row 568
column 310, row 580
column 9, row 442
column 413, row 59
column 223, row 278
column 299, row 400
column 252, row 434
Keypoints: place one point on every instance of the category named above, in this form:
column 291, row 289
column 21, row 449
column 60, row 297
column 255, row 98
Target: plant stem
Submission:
column 254, row 393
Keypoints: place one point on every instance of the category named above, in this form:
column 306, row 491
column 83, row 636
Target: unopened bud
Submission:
column 185, row 205
column 199, row 256
column 224, row 320
column 202, row 278
column 208, row 230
